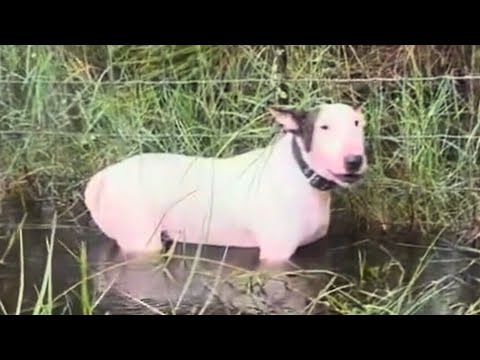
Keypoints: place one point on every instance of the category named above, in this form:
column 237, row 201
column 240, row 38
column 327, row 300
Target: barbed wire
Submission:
column 226, row 135
column 244, row 80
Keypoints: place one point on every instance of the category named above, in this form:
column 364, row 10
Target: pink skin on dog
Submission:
column 257, row 199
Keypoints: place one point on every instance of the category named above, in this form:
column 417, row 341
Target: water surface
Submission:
column 348, row 272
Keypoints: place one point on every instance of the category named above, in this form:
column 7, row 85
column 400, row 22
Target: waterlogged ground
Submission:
column 54, row 262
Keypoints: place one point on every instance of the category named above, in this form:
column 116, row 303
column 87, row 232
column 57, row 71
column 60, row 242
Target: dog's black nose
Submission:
column 353, row 163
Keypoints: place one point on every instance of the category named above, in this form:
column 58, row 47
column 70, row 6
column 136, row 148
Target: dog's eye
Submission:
column 324, row 127
column 356, row 122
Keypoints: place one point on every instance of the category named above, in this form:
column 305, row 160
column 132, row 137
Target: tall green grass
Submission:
column 65, row 112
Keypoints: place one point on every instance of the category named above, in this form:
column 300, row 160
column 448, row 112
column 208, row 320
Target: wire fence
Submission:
column 221, row 135
column 229, row 134
column 15, row 132
column 472, row 77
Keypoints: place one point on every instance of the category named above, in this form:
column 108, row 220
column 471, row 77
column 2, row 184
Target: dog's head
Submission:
column 332, row 139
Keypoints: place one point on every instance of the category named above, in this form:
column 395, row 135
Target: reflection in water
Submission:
column 345, row 273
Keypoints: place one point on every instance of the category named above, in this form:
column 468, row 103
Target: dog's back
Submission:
column 141, row 196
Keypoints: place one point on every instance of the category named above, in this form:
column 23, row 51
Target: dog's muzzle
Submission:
column 349, row 178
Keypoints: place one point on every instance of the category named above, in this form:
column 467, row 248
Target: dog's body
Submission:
column 257, row 199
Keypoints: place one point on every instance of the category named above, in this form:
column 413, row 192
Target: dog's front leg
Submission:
column 277, row 246
column 274, row 267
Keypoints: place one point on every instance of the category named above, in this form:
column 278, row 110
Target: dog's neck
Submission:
column 315, row 180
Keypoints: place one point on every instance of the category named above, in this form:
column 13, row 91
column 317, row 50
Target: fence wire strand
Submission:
column 222, row 135
column 244, row 80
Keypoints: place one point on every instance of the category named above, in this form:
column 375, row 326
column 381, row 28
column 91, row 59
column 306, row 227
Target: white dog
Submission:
column 276, row 198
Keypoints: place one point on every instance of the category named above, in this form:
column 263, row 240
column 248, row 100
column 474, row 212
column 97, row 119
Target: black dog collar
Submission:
column 317, row 181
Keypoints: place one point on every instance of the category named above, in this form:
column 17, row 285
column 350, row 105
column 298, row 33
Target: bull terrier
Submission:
column 276, row 198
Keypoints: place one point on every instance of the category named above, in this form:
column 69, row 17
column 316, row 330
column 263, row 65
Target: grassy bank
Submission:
column 67, row 111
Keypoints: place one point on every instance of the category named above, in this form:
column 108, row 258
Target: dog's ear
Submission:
column 289, row 119
column 358, row 107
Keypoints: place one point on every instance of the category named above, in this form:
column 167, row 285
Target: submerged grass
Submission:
column 44, row 301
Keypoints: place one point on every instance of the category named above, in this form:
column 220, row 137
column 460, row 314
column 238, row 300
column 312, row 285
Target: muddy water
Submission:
column 347, row 272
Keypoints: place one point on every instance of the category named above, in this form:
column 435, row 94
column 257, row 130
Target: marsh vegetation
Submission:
column 406, row 236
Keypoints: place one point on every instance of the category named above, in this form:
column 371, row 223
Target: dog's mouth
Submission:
column 348, row 178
